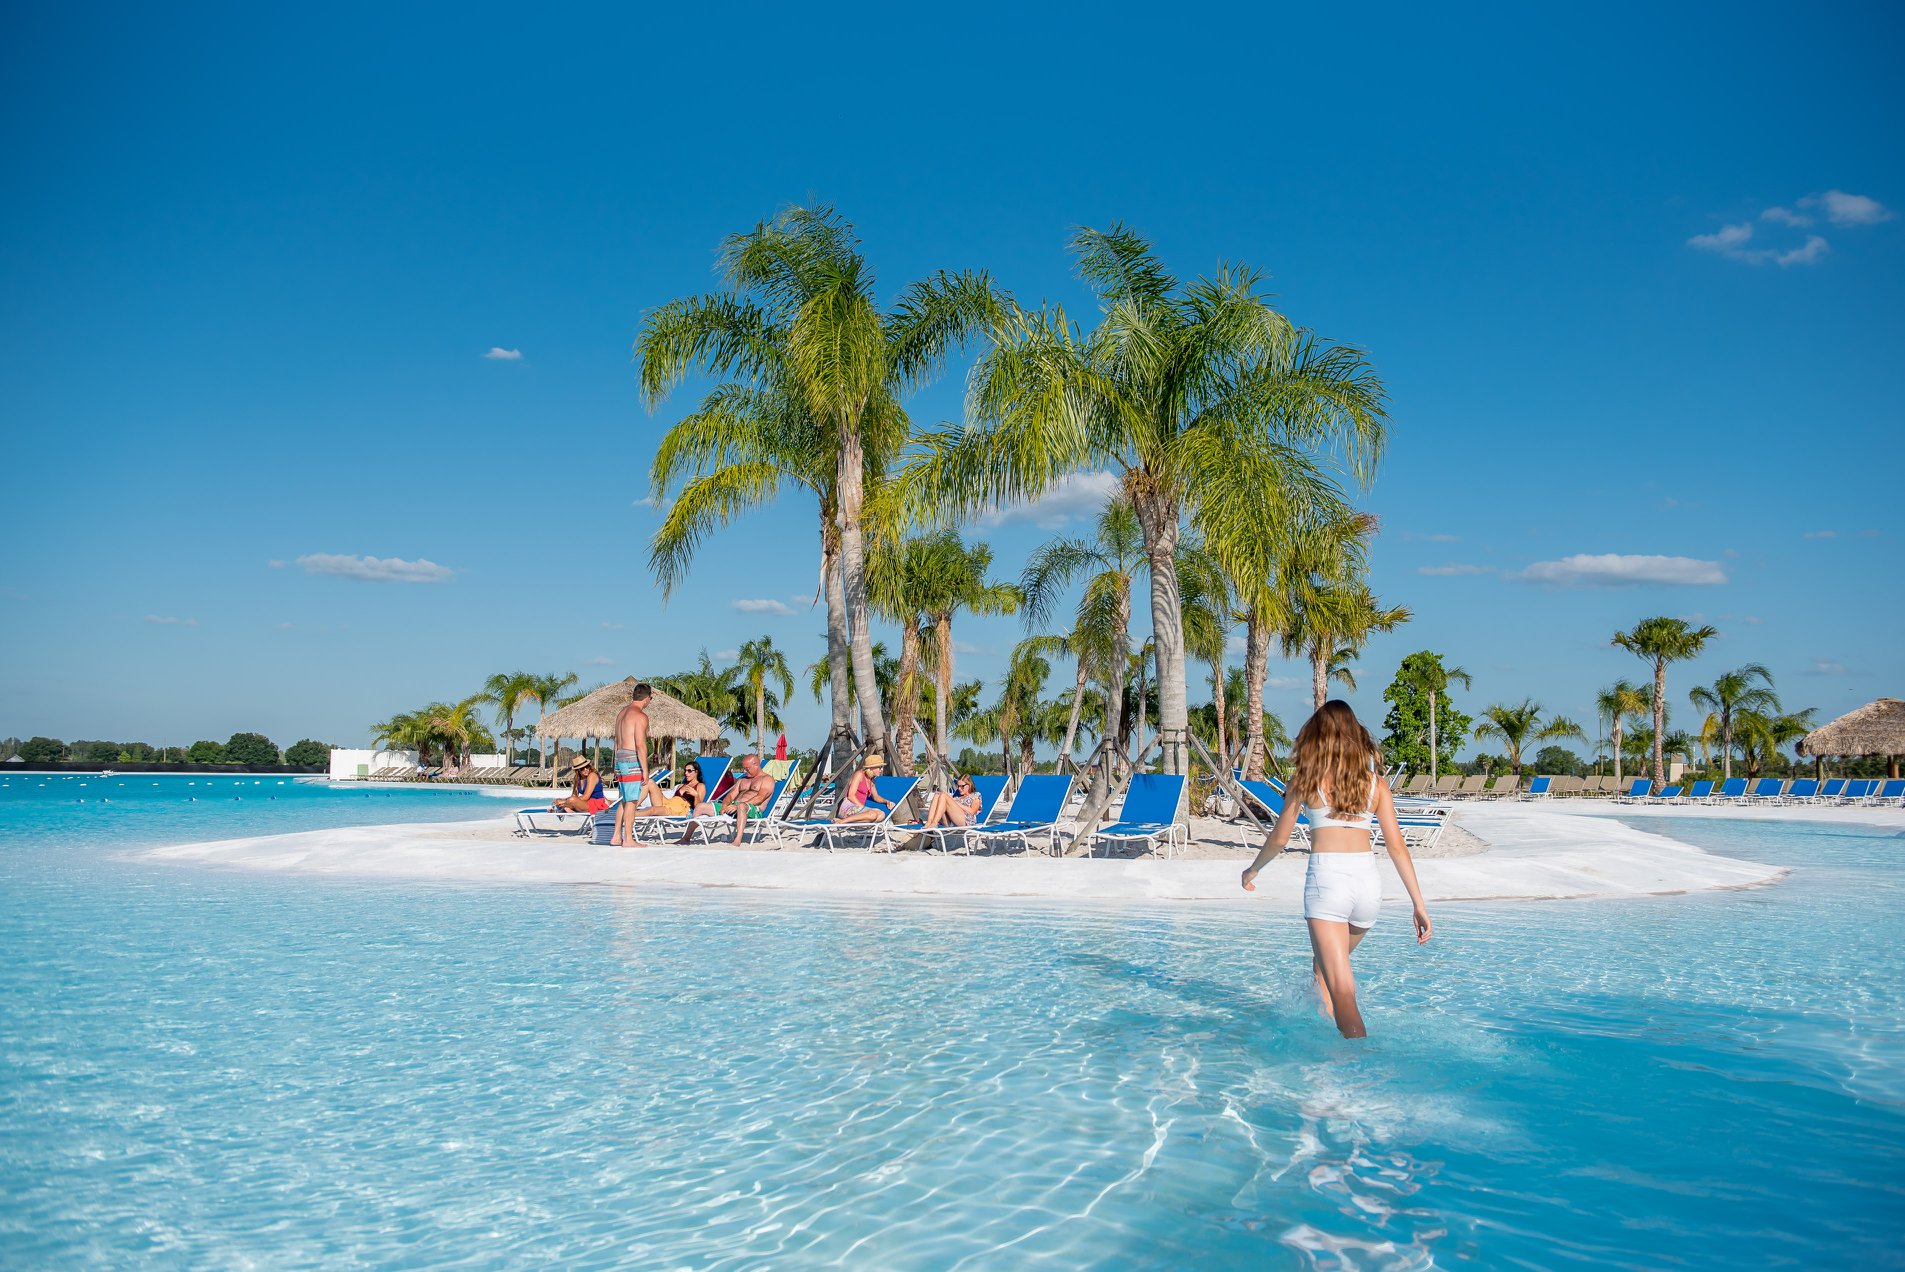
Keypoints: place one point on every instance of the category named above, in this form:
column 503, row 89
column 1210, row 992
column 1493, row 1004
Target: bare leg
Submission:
column 624, row 835
column 1330, row 944
column 740, row 823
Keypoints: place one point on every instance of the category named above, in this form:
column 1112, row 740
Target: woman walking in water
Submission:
column 1335, row 765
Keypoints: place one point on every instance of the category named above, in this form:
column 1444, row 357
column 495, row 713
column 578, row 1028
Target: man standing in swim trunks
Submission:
column 749, row 796
column 631, row 763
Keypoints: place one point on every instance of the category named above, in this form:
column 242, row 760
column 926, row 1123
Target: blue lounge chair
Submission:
column 714, row 770
column 1732, row 791
column 1034, row 810
column 1857, row 791
column 1637, row 792
column 1768, row 791
column 835, row 834
column 1700, row 792
column 1671, row 795
column 764, row 824
column 1148, row 815
column 1892, row 792
column 1833, row 791
column 1804, row 790
column 987, row 786
column 1539, row 788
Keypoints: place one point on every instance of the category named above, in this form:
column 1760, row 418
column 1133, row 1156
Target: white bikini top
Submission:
column 1319, row 815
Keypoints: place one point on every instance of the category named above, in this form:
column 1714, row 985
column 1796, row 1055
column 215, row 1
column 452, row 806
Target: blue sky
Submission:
column 255, row 260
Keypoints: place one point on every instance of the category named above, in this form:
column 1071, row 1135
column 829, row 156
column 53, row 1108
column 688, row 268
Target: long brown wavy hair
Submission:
column 1334, row 752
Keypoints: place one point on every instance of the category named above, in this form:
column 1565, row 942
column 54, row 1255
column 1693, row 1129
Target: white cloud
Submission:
column 726, row 655
column 1848, row 209
column 1786, row 216
column 284, row 627
column 1815, row 247
column 1727, row 240
column 1731, row 242
column 1612, row 569
column 1869, row 534
column 611, row 627
column 1235, row 644
column 1828, row 667
column 963, row 647
column 1074, row 497
column 1286, row 682
column 1820, row 534
column 275, row 564
column 600, row 661
column 500, row 354
column 375, row 569
column 762, row 605
column 167, row 620
column 649, row 501
column 1453, row 568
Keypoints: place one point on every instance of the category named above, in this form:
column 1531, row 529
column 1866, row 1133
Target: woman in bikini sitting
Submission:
column 1334, row 785
column 683, row 799
column 586, row 794
column 858, row 793
column 957, row 809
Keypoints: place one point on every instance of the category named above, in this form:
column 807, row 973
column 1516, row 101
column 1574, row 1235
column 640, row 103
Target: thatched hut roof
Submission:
column 594, row 716
column 1877, row 728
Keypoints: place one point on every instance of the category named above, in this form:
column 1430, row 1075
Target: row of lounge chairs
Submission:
column 510, row 775
column 1865, row 792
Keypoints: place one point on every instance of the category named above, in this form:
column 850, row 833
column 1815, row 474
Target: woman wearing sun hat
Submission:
column 858, row 792
column 586, row 795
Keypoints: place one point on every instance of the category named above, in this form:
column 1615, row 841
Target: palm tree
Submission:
column 457, row 728
column 405, row 731
column 1100, row 640
column 1018, row 715
column 507, row 692
column 1208, row 617
column 545, row 690
column 1663, row 640
column 1201, row 398
column 1328, row 607
column 1433, row 680
column 759, row 661
column 800, row 322
column 1731, row 693
column 958, row 583
column 1762, row 733
column 1516, row 725
column 1615, row 704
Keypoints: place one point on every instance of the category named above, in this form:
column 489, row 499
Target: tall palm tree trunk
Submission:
column 1435, row 757
column 1159, row 519
column 1256, row 670
column 849, row 476
column 906, row 695
column 1220, row 707
column 1118, row 672
column 1726, row 746
column 1660, row 719
column 942, row 695
column 1078, row 705
column 1320, row 672
column 760, row 716
column 839, row 672
column 1616, row 734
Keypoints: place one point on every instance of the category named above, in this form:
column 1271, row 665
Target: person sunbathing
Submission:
column 960, row 808
column 682, row 799
column 859, row 793
column 750, row 796
column 586, row 794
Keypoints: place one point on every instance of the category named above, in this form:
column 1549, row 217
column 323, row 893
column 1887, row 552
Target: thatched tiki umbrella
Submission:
column 594, row 716
column 1877, row 728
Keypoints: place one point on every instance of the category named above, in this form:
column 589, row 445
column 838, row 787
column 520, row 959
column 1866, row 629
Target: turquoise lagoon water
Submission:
column 216, row 1069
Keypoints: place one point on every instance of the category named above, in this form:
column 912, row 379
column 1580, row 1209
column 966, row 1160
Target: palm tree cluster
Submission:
column 1229, row 434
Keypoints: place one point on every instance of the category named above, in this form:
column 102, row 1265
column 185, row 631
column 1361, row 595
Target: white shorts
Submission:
column 1343, row 887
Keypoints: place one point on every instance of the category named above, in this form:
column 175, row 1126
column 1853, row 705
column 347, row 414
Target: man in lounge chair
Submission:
column 748, row 796
column 631, row 763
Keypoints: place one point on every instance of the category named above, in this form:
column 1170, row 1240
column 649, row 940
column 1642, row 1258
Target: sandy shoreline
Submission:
column 1496, row 852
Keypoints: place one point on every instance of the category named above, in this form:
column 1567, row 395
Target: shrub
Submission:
column 251, row 748
column 309, row 752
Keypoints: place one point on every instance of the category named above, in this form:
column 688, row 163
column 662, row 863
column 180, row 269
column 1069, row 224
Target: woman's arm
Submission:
column 1405, row 864
column 1273, row 843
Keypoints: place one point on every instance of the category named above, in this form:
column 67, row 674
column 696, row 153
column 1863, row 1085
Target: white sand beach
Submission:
column 1493, row 852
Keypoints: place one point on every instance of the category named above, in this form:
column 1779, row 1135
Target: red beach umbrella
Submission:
column 780, row 748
